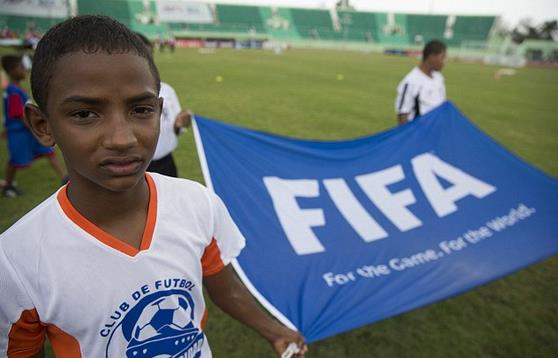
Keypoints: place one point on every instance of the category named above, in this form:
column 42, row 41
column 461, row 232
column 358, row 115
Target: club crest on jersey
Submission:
column 159, row 324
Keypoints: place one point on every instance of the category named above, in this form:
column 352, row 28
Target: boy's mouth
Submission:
column 122, row 166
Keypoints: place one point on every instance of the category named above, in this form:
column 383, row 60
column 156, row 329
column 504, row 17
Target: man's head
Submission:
column 88, row 34
column 434, row 55
column 13, row 66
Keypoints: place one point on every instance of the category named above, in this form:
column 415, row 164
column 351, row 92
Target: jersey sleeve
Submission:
column 15, row 106
column 404, row 101
column 227, row 240
column 21, row 332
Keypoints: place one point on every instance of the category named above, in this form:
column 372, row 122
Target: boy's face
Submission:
column 18, row 73
column 103, row 112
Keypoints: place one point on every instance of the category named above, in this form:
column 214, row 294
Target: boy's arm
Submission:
column 227, row 292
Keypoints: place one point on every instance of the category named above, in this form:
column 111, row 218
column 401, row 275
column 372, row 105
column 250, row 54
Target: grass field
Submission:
column 298, row 94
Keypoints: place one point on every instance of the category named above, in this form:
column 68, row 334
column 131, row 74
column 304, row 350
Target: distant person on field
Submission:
column 423, row 88
column 172, row 43
column 173, row 122
column 22, row 145
column 114, row 263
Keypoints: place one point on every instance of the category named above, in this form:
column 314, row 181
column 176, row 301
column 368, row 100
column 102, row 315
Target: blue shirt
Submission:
column 14, row 102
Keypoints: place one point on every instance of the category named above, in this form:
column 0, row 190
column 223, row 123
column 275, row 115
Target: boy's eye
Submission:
column 83, row 114
column 143, row 110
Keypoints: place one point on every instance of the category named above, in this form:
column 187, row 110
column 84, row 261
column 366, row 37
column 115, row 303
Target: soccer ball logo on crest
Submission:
column 160, row 325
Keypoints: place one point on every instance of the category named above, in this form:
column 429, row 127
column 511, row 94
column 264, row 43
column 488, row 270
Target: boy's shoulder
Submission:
column 190, row 198
column 164, row 182
column 24, row 237
column 180, row 189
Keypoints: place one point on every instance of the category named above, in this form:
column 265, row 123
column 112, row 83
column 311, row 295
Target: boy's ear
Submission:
column 161, row 102
column 37, row 122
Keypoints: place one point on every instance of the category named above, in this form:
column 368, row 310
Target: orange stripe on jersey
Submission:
column 204, row 319
column 26, row 336
column 105, row 237
column 211, row 259
column 63, row 344
column 151, row 214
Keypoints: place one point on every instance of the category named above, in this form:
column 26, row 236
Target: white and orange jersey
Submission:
column 95, row 296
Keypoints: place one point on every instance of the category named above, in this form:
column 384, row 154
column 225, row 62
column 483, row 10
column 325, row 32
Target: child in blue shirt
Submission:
column 22, row 145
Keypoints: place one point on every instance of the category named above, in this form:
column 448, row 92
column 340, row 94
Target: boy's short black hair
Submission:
column 89, row 34
column 10, row 62
column 145, row 40
column 433, row 47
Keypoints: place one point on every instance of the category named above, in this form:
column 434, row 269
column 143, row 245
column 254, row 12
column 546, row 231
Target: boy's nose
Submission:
column 120, row 134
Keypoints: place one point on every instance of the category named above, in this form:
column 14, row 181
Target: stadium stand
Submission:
column 314, row 24
column 294, row 25
column 279, row 23
column 127, row 12
column 391, row 29
column 470, row 28
column 21, row 24
column 230, row 21
column 425, row 27
column 358, row 26
column 240, row 18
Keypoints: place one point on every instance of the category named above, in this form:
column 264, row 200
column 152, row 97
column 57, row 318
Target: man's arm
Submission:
column 182, row 121
column 227, row 292
column 404, row 101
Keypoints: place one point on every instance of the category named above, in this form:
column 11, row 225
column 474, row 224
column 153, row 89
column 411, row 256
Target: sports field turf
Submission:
column 299, row 94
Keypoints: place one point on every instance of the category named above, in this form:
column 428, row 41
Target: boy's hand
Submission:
column 286, row 336
column 183, row 120
column 229, row 294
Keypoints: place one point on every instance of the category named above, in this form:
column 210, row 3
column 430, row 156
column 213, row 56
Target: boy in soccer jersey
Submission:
column 112, row 265
column 423, row 88
column 22, row 145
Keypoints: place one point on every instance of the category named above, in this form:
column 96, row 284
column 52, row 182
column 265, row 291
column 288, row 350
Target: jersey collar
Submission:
column 105, row 237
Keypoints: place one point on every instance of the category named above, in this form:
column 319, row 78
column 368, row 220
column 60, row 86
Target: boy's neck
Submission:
column 15, row 82
column 104, row 207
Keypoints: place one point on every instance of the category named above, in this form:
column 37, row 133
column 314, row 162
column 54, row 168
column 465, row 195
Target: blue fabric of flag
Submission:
column 341, row 234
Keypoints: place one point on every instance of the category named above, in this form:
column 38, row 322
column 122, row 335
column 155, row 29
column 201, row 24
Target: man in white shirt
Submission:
column 423, row 88
column 174, row 121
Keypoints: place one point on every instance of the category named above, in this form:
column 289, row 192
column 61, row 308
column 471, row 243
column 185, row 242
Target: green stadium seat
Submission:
column 358, row 26
column 314, row 24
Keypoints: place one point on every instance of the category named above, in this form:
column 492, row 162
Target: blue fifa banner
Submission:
column 345, row 233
